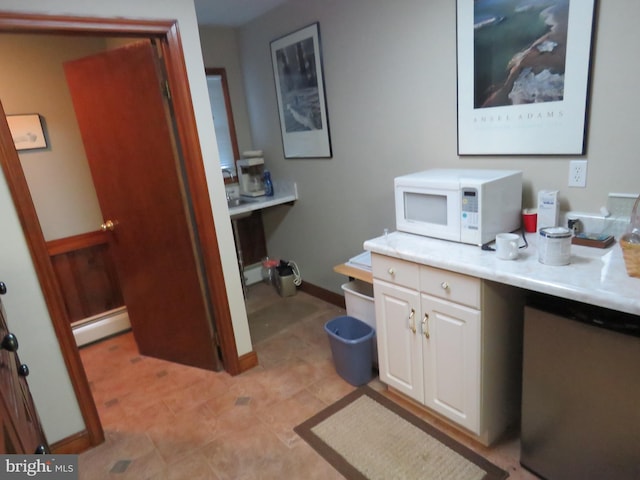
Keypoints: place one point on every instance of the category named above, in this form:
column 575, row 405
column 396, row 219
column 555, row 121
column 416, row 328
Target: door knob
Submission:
column 108, row 225
column 3, row 288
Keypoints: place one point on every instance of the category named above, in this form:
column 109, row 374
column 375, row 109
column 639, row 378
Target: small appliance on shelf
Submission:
column 251, row 173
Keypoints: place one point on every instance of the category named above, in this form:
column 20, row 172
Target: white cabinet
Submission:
column 451, row 359
column 397, row 304
column 399, row 342
column 451, row 342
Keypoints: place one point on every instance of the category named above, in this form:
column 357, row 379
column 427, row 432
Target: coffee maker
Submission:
column 251, row 176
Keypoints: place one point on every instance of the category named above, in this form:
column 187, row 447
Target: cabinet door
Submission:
column 451, row 351
column 8, row 373
column 398, row 336
column 19, row 425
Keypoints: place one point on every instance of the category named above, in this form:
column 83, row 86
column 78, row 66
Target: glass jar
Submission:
column 633, row 230
column 269, row 270
column 630, row 242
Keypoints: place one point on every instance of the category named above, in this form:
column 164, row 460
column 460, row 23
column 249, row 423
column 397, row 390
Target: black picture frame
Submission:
column 300, row 91
column 523, row 76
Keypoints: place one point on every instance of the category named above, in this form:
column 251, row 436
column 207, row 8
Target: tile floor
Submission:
column 168, row 421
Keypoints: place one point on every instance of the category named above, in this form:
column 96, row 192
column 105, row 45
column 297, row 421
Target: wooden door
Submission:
column 19, row 422
column 128, row 139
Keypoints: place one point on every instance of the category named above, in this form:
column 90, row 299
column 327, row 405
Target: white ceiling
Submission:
column 232, row 13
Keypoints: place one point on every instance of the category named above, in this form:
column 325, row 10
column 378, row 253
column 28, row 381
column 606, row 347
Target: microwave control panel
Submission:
column 469, row 220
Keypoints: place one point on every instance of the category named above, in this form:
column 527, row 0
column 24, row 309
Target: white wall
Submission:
column 24, row 303
column 28, row 319
column 390, row 78
column 59, row 180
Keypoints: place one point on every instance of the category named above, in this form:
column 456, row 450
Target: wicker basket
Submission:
column 631, row 253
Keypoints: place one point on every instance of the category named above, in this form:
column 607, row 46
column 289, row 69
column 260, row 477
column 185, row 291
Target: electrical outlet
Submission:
column 578, row 173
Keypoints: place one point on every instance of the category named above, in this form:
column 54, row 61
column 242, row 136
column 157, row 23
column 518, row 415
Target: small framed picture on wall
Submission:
column 26, row 131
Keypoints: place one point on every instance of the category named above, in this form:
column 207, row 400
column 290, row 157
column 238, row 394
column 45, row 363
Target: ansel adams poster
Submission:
column 523, row 76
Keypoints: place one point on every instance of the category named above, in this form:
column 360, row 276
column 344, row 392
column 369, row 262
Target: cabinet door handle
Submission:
column 3, row 288
column 412, row 321
column 391, row 271
column 444, row 285
column 425, row 326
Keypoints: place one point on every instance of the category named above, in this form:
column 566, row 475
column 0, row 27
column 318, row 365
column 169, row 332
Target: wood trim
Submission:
column 73, row 444
column 14, row 22
column 76, row 242
column 168, row 32
column 323, row 294
column 248, row 361
column 196, row 180
column 19, row 189
column 227, row 104
column 354, row 272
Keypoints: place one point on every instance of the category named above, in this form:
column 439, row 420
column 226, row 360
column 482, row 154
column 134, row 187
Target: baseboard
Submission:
column 248, row 361
column 323, row 294
column 74, row 444
column 101, row 326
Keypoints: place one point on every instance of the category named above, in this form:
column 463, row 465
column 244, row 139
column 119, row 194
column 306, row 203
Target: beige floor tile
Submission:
column 282, row 417
column 304, row 463
column 255, row 452
column 191, row 467
column 165, row 421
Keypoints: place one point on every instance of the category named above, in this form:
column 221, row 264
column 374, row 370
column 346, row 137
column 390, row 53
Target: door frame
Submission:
column 167, row 34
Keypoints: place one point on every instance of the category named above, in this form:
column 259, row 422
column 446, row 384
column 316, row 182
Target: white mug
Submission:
column 507, row 246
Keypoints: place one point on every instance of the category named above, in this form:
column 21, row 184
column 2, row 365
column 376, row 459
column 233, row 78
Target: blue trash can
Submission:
column 350, row 341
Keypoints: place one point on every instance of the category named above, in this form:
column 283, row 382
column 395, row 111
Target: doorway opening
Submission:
column 167, row 36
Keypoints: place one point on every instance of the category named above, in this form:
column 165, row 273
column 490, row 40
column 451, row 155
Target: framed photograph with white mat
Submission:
column 297, row 69
column 523, row 76
column 26, row 131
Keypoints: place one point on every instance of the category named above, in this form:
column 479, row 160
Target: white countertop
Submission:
column 595, row 276
column 283, row 192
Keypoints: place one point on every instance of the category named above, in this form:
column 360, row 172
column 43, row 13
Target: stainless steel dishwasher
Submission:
column 580, row 391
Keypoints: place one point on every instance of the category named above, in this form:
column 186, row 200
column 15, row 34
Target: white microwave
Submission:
column 462, row 205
